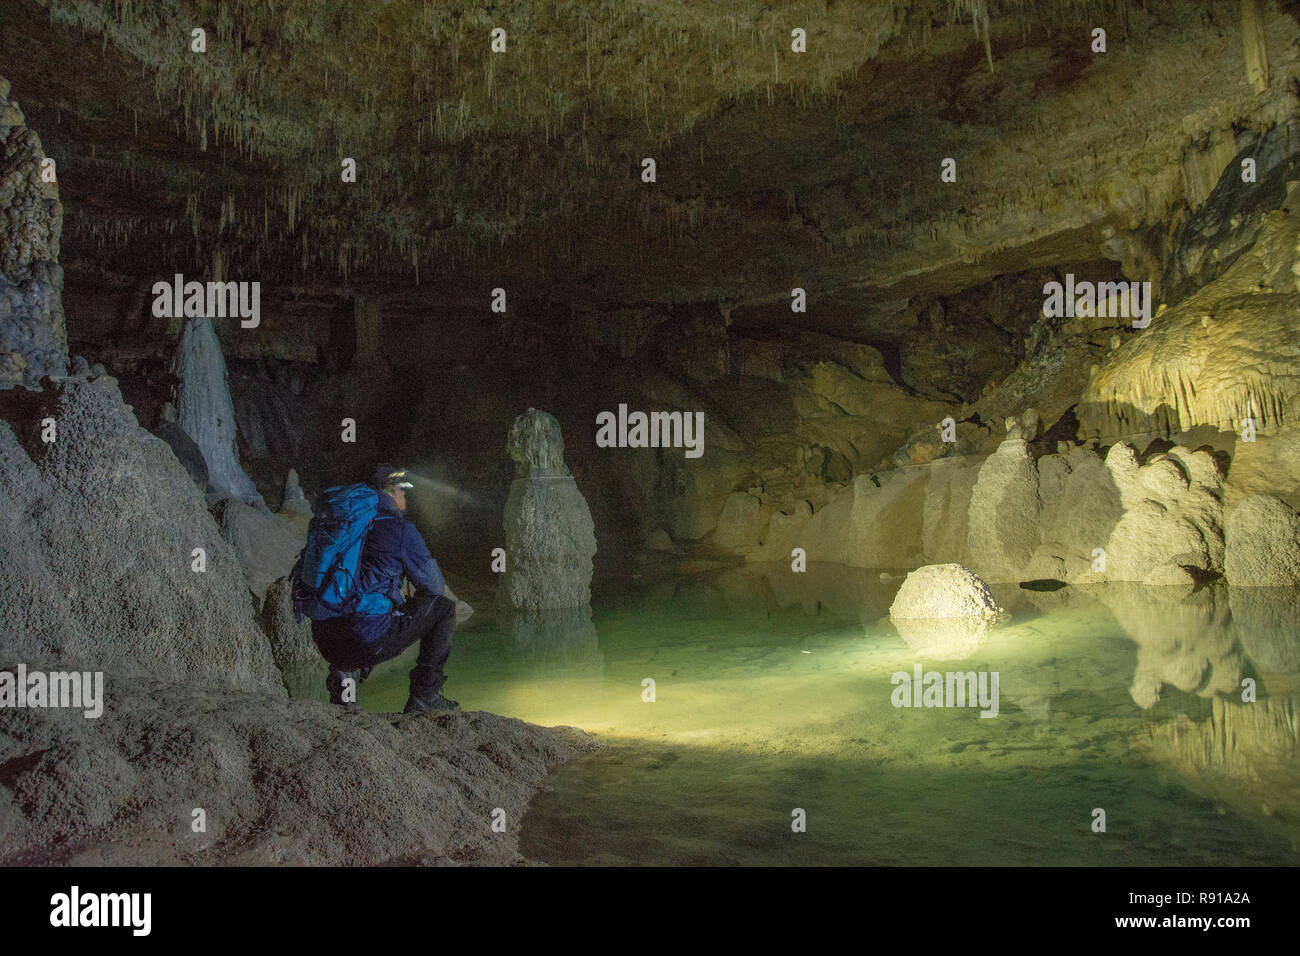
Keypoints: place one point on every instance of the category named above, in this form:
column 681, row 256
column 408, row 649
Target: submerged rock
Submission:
column 560, row 642
column 951, row 639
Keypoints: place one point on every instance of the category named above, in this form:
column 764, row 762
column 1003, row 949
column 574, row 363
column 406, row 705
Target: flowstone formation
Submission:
column 33, row 332
column 550, row 538
column 205, row 412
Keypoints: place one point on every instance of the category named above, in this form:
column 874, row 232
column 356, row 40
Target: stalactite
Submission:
column 1256, row 45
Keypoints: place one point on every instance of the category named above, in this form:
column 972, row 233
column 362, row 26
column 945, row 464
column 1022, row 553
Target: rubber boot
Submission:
column 425, row 692
column 334, row 684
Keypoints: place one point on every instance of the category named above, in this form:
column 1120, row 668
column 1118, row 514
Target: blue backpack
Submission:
column 324, row 580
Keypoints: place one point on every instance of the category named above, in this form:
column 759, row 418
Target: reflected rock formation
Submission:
column 1267, row 622
column 940, row 640
column 560, row 642
column 1244, row 754
column 1186, row 641
column 845, row 593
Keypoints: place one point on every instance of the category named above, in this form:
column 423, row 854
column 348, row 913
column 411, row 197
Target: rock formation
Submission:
column 284, row 782
column 943, row 612
column 205, row 412
column 185, row 449
column 295, row 653
column 266, row 545
column 33, row 331
column 739, row 524
column 550, row 538
column 1002, row 523
column 1262, row 547
column 97, row 573
column 942, row 591
column 99, row 535
column 294, row 501
column 1227, row 353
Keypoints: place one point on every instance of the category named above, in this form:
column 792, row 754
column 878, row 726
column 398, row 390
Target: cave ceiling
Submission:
column 523, row 169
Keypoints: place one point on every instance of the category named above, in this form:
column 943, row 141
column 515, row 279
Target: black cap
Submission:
column 389, row 476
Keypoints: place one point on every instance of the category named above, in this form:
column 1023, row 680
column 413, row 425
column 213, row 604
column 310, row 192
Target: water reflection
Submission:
column 560, row 642
column 775, row 691
column 944, row 640
column 1184, row 641
column 1267, row 622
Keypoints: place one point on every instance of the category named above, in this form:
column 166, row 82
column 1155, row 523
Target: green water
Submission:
column 773, row 693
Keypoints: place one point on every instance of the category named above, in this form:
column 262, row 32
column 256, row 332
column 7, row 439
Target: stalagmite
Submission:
column 550, row 538
column 294, row 501
column 204, row 409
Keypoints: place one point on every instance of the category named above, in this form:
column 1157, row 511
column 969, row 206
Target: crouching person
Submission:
column 359, row 551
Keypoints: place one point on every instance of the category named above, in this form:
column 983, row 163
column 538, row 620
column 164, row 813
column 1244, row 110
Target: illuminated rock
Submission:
column 112, row 561
column 1002, row 532
column 940, row 591
column 1262, row 544
column 550, row 538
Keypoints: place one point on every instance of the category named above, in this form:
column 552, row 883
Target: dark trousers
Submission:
column 429, row 619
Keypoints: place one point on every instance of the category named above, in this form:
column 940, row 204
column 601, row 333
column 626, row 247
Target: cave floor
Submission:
column 773, row 694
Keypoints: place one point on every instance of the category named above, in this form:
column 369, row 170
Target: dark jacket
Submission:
column 393, row 549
